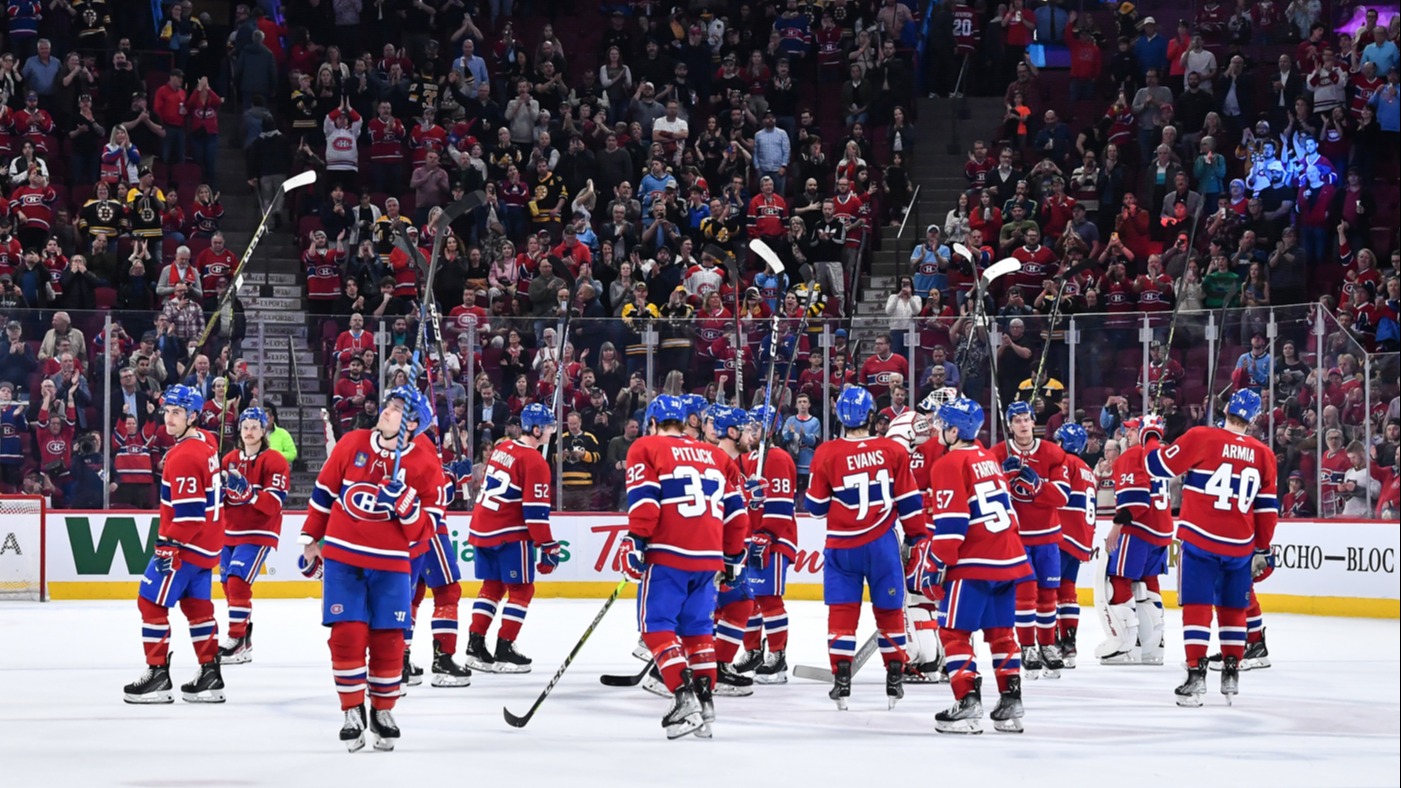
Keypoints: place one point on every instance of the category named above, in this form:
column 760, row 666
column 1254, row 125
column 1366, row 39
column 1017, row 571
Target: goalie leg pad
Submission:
column 1149, row 604
column 445, row 602
column 922, row 633
column 513, row 612
column 1121, row 630
column 349, row 642
column 484, row 608
column 386, row 666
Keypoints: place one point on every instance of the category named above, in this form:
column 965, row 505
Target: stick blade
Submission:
column 513, row 720
column 767, row 254
column 812, row 673
column 304, row 178
column 1000, row 269
column 622, row 681
column 962, row 251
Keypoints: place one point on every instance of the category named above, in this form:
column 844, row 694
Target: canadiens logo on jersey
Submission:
column 57, row 447
column 326, row 271
column 358, row 498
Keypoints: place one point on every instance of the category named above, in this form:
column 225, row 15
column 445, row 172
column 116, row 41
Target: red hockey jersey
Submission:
column 343, row 512
column 343, row 397
column 257, row 520
column 1229, row 503
column 215, row 267
column 1039, row 518
column 975, row 526
column 1077, row 519
column 1145, row 498
column 876, row 372
column 776, row 516
column 191, row 511
column 685, row 498
column 870, row 482
column 323, row 272
column 514, row 502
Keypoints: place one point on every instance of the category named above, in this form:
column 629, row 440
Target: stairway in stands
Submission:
column 939, row 174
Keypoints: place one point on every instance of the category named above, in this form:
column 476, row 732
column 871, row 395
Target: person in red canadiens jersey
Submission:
column 1226, row 524
column 861, row 486
column 255, row 487
column 773, row 546
column 1137, row 545
column 434, row 566
column 375, row 498
column 913, row 431
column 1077, row 532
column 190, row 536
column 725, row 428
column 1036, row 475
column 511, row 519
column 977, row 558
column 686, row 522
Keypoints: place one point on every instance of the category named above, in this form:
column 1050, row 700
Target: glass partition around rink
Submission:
column 82, row 421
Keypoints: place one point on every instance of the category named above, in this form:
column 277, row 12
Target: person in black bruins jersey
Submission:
column 101, row 215
column 721, row 228
column 145, row 203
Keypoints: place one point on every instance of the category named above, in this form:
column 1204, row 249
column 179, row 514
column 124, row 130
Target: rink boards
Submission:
column 1333, row 567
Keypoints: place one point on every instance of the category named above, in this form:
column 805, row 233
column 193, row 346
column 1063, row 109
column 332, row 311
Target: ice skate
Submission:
column 965, row 715
column 653, row 683
column 1068, row 652
column 508, row 660
column 384, row 728
column 750, row 662
column 706, row 697
column 478, row 657
column 237, row 651
column 1007, row 717
column 730, row 684
column 353, row 729
column 774, row 670
column 894, row 683
column 1257, row 656
column 413, row 675
column 1230, row 678
column 684, row 715
column 1031, row 662
column 1190, row 693
column 447, row 673
column 152, row 687
column 207, row 685
column 841, row 684
column 1051, row 661
column 640, row 651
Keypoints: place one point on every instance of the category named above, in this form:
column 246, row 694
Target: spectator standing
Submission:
column 169, row 108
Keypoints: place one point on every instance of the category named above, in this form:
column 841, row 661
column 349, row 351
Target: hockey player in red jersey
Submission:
column 861, row 486
column 433, row 566
column 724, row 428
column 1137, row 545
column 978, row 559
column 686, row 522
column 376, row 495
column 1077, row 533
column 1226, row 524
column 188, row 541
column 255, row 487
column 511, row 520
column 773, row 546
column 1036, row 476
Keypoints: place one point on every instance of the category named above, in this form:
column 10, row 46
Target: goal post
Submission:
column 22, row 545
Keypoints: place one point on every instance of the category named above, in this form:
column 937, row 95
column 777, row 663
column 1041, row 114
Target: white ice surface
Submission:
column 1326, row 714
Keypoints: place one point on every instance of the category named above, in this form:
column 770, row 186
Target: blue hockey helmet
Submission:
column 765, row 416
column 1244, row 404
column 1019, row 408
column 187, row 397
column 726, row 417
column 667, row 407
column 962, row 414
column 536, row 415
column 254, row 414
column 693, row 405
column 1072, row 438
column 854, row 406
column 416, row 407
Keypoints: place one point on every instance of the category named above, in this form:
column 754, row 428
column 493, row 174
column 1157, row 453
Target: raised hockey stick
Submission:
column 1064, row 276
column 740, row 343
column 863, row 655
column 1176, row 310
column 291, row 184
column 811, row 298
column 767, row 254
column 990, row 274
column 521, row 721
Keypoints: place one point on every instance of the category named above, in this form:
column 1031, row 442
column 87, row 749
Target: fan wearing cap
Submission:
column 145, row 208
column 1227, row 523
column 930, row 260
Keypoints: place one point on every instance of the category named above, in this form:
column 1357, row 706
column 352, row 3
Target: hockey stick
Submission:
column 295, row 182
column 608, row 680
column 990, row 274
column 863, row 655
column 1215, row 362
column 1064, row 276
column 520, row 721
column 1176, row 309
column 808, row 301
column 328, row 430
column 740, row 342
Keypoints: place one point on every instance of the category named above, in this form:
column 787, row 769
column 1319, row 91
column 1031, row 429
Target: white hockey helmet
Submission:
column 937, row 397
column 909, row 429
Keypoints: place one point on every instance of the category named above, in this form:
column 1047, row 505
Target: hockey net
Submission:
column 22, row 548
